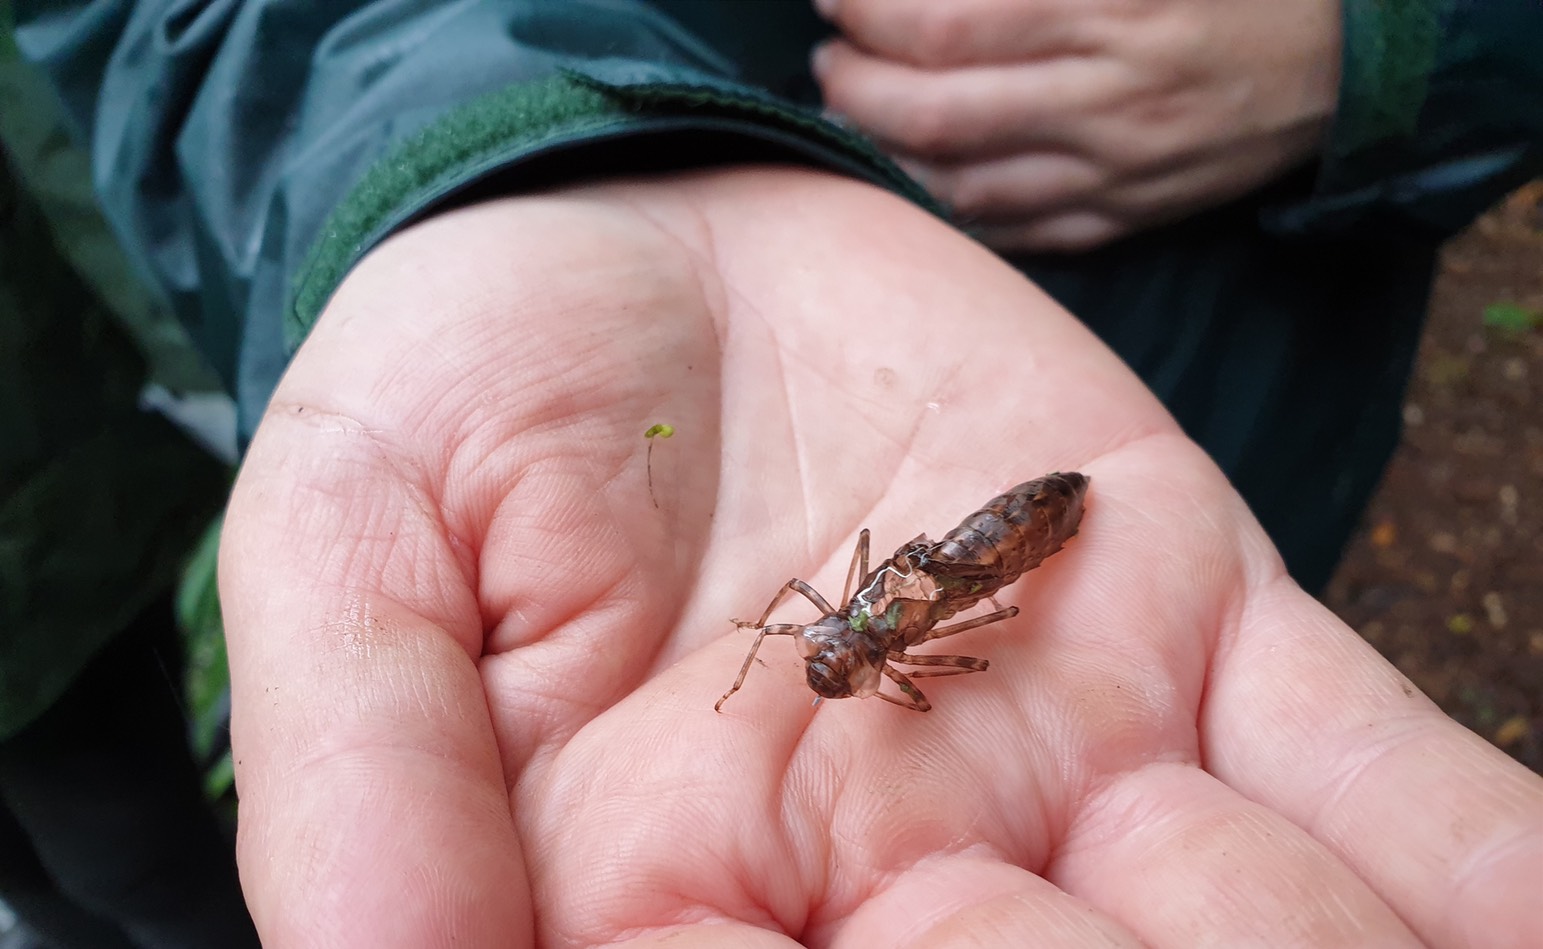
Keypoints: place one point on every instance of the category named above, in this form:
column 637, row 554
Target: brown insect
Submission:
column 898, row 605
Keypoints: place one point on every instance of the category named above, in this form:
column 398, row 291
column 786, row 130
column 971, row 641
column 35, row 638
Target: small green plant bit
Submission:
column 659, row 430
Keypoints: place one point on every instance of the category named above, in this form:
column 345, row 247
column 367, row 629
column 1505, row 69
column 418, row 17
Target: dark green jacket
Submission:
column 248, row 153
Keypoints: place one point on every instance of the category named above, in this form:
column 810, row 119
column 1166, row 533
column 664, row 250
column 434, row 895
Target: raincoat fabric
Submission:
column 247, row 154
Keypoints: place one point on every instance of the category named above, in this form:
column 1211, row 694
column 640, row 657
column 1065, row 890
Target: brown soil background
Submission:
column 1445, row 575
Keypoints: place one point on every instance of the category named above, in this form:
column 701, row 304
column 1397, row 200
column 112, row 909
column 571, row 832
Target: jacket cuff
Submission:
column 1437, row 118
column 564, row 127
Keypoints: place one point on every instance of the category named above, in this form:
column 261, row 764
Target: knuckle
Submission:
column 928, row 127
column 970, row 194
column 942, row 34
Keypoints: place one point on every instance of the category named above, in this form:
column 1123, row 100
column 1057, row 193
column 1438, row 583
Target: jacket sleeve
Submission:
column 248, row 153
column 1440, row 114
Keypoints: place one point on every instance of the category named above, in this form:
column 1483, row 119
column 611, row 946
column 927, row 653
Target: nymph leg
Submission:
column 948, row 665
column 979, row 621
column 913, row 696
column 858, row 555
column 781, row 629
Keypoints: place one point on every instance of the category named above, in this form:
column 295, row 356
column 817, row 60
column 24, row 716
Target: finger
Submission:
column 975, row 898
column 603, row 829
column 1010, row 190
column 1183, row 861
column 1041, row 202
column 808, row 872
column 960, row 32
column 1307, row 719
column 1039, row 183
column 971, row 112
column 1150, row 189
column 373, row 808
column 710, row 934
column 1048, row 201
column 1066, row 233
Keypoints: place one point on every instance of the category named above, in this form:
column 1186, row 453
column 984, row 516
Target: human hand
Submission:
column 1060, row 126
column 474, row 666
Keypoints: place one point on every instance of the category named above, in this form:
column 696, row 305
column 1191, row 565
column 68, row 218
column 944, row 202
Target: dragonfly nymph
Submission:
column 850, row 651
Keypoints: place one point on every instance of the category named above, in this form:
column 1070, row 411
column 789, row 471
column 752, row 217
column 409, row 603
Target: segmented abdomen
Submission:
column 1011, row 535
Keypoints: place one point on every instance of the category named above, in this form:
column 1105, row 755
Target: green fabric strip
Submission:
column 1390, row 51
column 709, row 96
column 523, row 120
column 472, row 138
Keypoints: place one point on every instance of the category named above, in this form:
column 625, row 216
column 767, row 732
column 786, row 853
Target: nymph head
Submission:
column 839, row 663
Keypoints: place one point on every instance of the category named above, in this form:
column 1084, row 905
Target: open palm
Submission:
column 475, row 652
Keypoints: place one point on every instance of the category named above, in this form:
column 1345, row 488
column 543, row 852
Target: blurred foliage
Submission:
column 208, row 673
column 1512, row 317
